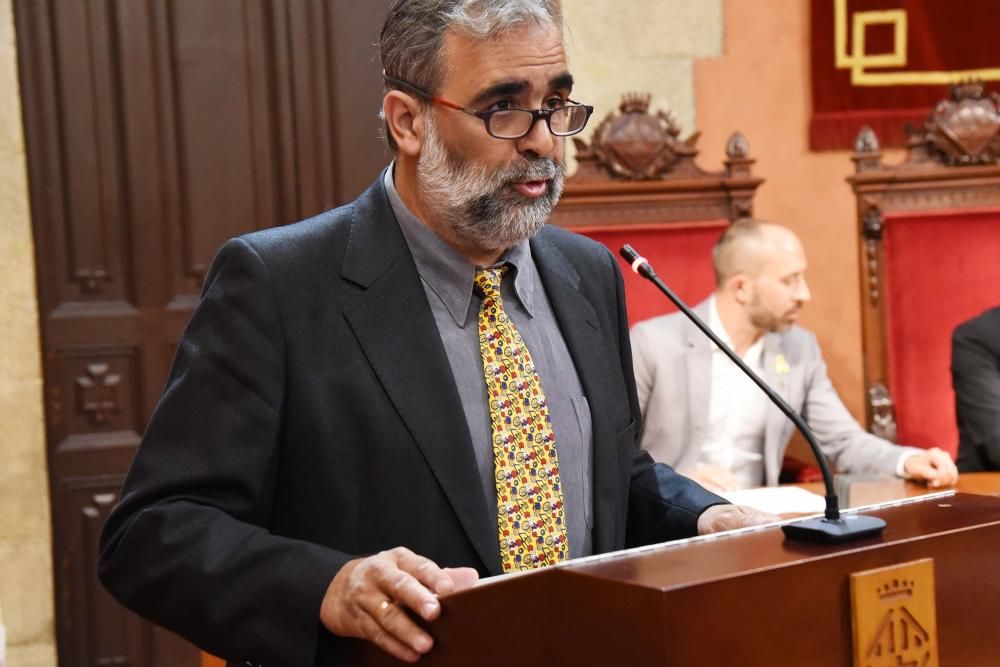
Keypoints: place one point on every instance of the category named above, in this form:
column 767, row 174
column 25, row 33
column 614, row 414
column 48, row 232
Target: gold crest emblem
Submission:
column 894, row 616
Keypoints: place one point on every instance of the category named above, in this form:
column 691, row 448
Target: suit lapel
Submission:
column 776, row 371
column 396, row 329
column 580, row 328
column 698, row 373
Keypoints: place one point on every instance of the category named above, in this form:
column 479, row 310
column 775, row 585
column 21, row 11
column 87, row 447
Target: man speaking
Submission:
column 376, row 406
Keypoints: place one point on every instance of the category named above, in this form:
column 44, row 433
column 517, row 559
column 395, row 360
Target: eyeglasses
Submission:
column 562, row 121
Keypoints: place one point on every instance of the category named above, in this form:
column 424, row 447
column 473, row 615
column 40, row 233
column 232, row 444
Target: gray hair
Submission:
column 411, row 40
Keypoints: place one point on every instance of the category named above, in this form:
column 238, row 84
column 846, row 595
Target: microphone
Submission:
column 832, row 527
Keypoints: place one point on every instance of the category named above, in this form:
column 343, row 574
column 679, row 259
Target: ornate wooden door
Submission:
column 156, row 129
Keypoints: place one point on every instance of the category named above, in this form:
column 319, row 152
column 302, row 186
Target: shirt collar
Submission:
column 448, row 274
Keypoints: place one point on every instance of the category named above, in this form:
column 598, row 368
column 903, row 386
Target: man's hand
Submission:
column 712, row 477
column 729, row 517
column 933, row 467
column 368, row 598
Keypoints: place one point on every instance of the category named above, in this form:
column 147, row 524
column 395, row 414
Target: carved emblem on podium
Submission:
column 895, row 616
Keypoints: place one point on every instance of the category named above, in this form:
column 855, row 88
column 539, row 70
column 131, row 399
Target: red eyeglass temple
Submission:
column 450, row 105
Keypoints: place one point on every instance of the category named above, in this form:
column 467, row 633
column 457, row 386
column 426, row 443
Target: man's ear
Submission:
column 405, row 121
column 741, row 287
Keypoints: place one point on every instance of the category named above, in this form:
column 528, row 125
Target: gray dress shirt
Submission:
column 447, row 279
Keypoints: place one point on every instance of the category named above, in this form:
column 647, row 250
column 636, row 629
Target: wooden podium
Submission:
column 745, row 598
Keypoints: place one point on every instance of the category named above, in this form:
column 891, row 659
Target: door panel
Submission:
column 155, row 130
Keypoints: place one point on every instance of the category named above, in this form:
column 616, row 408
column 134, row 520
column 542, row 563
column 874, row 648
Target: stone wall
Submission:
column 646, row 46
column 25, row 527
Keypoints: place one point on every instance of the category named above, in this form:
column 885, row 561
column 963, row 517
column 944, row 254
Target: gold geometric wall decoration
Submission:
column 859, row 61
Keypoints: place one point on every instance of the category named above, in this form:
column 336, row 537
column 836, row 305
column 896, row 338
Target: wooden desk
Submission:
column 766, row 545
column 982, row 483
column 880, row 491
column 750, row 598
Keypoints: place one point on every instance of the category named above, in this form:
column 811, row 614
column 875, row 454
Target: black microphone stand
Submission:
column 832, row 527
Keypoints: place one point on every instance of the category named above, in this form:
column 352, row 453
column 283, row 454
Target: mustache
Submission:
column 522, row 170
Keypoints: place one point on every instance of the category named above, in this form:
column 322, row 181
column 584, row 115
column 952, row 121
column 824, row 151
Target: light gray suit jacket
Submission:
column 673, row 364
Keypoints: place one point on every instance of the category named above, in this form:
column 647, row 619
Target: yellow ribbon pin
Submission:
column 780, row 365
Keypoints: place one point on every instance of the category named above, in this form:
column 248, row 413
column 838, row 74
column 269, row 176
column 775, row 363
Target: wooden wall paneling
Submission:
column 149, row 209
column 311, row 81
column 210, row 80
column 118, row 639
column 283, row 101
column 82, row 251
column 72, row 96
column 271, row 183
column 92, row 226
column 359, row 153
column 41, row 131
column 155, row 130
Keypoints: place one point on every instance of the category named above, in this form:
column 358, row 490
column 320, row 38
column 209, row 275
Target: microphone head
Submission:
column 629, row 253
column 637, row 261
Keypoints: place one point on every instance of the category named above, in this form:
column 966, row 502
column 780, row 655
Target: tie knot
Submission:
column 488, row 280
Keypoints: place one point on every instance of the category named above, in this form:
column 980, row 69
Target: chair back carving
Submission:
column 638, row 182
column 929, row 251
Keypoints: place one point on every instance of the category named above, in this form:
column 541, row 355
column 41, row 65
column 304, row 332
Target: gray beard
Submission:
column 477, row 203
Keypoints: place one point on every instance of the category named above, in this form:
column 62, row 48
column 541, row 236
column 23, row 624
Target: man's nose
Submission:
column 538, row 140
column 802, row 293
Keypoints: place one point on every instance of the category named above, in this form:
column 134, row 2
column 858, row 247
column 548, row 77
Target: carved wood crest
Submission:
column 963, row 130
column 882, row 410
column 634, row 144
column 894, row 615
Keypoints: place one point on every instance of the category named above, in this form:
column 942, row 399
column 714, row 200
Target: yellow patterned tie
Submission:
column 530, row 517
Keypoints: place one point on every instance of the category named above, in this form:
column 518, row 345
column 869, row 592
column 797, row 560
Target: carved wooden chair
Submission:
column 638, row 183
column 929, row 259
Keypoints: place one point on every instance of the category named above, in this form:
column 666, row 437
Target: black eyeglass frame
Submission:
column 486, row 116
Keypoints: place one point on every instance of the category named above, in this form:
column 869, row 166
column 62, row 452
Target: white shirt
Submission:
column 737, row 412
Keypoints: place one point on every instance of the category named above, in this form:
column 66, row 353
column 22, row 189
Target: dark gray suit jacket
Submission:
column 311, row 417
column 975, row 372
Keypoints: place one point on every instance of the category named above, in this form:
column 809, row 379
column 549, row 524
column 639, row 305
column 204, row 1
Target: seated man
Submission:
column 706, row 418
column 975, row 373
